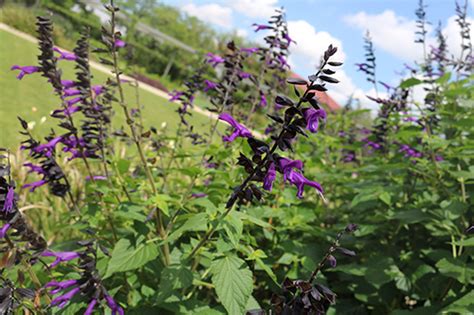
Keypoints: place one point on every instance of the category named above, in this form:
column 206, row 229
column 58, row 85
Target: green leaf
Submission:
column 196, row 222
column 131, row 211
column 161, row 201
column 126, row 257
column 421, row 271
column 464, row 305
column 123, row 166
column 386, row 198
column 466, row 242
column 457, row 269
column 233, row 283
column 409, row 83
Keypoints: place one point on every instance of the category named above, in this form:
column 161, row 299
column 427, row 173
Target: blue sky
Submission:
column 316, row 23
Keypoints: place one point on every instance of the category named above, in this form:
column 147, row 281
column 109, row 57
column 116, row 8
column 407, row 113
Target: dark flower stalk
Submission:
column 19, row 243
column 89, row 285
column 265, row 156
column 226, row 88
column 305, row 297
column 111, row 38
column 49, row 69
column 273, row 61
column 97, row 115
column 466, row 59
column 369, row 66
column 421, row 24
column 47, row 167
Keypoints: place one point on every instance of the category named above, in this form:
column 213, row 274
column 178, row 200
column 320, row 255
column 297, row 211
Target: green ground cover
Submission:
column 32, row 98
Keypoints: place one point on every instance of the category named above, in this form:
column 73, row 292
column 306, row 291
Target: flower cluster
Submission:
column 95, row 108
column 12, row 219
column 273, row 57
column 265, row 162
column 306, row 297
column 223, row 96
column 89, row 284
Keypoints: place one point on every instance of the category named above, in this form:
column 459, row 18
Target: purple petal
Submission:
column 4, row 230
column 9, row 199
column 35, row 185
column 90, row 307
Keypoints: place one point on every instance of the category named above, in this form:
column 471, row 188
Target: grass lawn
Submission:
column 32, row 98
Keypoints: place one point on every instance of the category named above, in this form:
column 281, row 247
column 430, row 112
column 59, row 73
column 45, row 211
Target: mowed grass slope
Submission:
column 33, row 99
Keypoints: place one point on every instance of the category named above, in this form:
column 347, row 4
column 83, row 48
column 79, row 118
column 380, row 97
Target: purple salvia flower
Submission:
column 90, row 307
column 259, row 27
column 239, row 130
column 24, row 70
column 68, row 111
column 269, row 178
column 98, row 89
column 68, row 83
column 62, row 300
column 59, row 286
column 4, row 230
column 312, row 117
column 113, row 305
column 332, row 261
column 349, row 157
column 410, row 119
column 64, row 55
column 263, row 100
column 250, row 50
column 71, row 92
column 300, row 182
column 199, row 195
column 244, row 75
column 9, row 200
column 351, row 227
column 361, row 66
column 288, row 38
column 283, row 62
column 60, row 257
column 373, row 145
column 48, row 147
column 269, row 130
column 439, row 158
column 119, row 43
column 286, row 165
column 73, row 101
column 214, row 59
column 209, row 85
column 386, row 86
column 35, row 185
column 175, row 95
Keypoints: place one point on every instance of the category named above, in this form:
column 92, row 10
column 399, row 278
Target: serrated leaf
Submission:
column 233, row 283
column 126, row 257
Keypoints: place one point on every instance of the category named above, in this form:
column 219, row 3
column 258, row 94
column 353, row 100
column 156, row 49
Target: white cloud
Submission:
column 310, row 46
column 254, row 8
column 310, row 43
column 390, row 32
column 242, row 33
column 396, row 34
column 212, row 13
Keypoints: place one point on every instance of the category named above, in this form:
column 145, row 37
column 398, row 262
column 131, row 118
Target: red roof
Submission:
column 322, row 97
